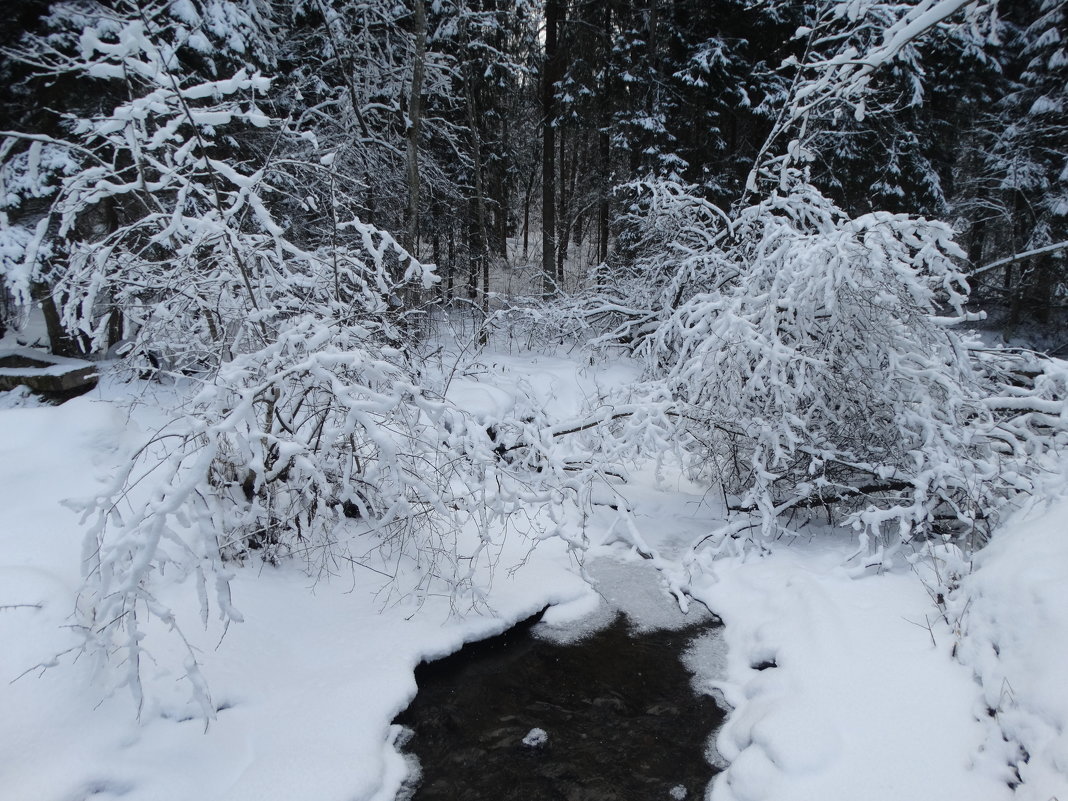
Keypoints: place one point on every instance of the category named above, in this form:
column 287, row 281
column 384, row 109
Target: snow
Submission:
column 841, row 683
column 634, row 588
column 19, row 397
column 307, row 685
column 536, row 738
column 1014, row 609
column 797, row 346
column 51, row 365
column 852, row 698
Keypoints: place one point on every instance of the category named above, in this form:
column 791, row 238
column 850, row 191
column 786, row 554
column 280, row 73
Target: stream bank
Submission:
column 571, row 713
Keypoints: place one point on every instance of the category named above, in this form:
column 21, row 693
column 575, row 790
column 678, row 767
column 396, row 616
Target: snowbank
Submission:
column 839, row 690
column 842, row 687
column 1014, row 608
column 306, row 687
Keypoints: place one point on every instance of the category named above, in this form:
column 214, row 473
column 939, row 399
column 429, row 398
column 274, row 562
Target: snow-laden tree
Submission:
column 301, row 426
column 824, row 373
column 351, row 70
column 811, row 365
column 861, row 59
column 1019, row 192
column 813, row 358
column 149, row 97
column 669, row 247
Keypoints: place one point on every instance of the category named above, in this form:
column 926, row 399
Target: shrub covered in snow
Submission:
column 822, row 374
column 306, row 429
column 814, row 363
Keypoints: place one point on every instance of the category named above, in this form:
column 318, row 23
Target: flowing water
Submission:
column 611, row 716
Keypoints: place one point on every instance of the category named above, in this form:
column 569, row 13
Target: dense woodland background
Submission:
column 460, row 127
column 788, row 213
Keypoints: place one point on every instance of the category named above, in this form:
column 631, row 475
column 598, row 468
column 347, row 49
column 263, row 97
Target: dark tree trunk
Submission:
column 562, row 201
column 480, row 242
column 527, row 197
column 605, row 147
column 415, row 120
column 606, row 190
column 554, row 12
column 59, row 341
column 450, row 272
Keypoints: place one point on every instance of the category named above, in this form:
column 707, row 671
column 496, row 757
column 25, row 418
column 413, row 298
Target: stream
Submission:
column 537, row 716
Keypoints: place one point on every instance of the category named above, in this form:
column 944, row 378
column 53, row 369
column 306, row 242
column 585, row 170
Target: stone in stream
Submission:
column 536, row 738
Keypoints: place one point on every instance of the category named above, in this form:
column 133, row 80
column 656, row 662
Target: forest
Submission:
column 827, row 240
column 462, row 128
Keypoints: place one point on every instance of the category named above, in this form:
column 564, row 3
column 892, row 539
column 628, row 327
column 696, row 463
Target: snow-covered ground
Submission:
column 308, row 683
column 1014, row 609
column 861, row 696
column 858, row 701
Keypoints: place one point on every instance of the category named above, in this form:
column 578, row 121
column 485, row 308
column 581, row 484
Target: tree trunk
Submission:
column 415, row 114
column 451, row 270
column 550, row 69
column 604, row 148
column 563, row 200
column 59, row 341
column 606, row 190
column 1014, row 290
column 527, row 197
column 481, row 243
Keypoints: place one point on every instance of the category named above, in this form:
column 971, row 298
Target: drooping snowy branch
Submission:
column 847, row 45
column 813, row 363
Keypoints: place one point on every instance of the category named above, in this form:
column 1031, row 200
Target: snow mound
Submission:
column 631, row 586
column 19, row 398
column 837, row 693
column 1015, row 613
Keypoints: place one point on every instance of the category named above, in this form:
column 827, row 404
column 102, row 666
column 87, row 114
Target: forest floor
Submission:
column 845, row 682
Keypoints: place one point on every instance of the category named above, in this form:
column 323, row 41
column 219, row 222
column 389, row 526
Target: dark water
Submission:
column 621, row 717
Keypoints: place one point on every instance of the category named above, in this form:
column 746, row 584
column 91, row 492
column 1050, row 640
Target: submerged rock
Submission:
column 536, row 738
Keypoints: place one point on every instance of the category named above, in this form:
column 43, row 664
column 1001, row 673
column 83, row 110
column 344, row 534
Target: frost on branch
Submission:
column 813, row 364
column 817, row 371
column 669, row 247
column 300, row 427
column 323, row 447
column 314, row 446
